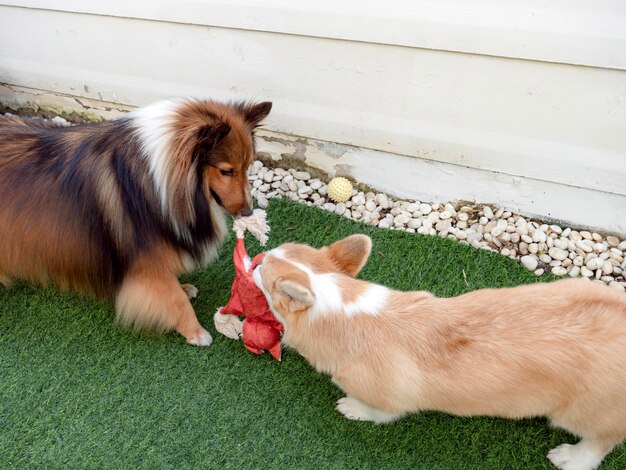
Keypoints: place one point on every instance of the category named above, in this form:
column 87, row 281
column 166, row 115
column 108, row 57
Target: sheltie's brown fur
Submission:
column 549, row 349
column 120, row 209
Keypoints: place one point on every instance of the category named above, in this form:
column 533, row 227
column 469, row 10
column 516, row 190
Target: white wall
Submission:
column 520, row 106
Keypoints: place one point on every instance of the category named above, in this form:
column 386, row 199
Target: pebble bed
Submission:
column 538, row 246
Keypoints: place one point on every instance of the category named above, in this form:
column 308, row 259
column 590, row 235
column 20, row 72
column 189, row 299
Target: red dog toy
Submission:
column 260, row 330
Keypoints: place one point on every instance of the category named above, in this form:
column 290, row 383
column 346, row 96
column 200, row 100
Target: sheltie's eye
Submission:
column 227, row 172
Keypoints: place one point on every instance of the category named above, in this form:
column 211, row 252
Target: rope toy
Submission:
column 259, row 331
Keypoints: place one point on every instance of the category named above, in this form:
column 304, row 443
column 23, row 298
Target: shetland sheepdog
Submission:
column 555, row 349
column 121, row 208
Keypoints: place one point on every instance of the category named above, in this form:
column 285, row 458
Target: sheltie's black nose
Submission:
column 246, row 212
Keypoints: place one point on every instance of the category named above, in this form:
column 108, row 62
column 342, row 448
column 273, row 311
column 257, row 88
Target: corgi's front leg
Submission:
column 353, row 408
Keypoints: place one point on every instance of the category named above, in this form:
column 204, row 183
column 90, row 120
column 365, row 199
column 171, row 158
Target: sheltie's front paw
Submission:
column 201, row 338
column 355, row 409
column 190, row 290
column 229, row 325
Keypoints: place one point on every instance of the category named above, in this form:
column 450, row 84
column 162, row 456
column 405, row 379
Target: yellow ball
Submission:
column 340, row 189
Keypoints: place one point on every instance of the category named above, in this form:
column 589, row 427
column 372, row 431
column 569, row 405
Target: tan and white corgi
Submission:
column 555, row 350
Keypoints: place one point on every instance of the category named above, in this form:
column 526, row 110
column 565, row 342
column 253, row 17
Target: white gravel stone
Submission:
column 412, row 207
column 545, row 258
column 382, row 200
column 262, row 201
column 255, row 167
column 450, row 208
column 599, row 247
column 59, row 121
column 612, row 241
column 487, row 212
column 529, row 262
column 340, row 208
column 586, row 272
column 433, row 217
column 559, row 271
column 302, row 175
column 558, row 253
column 425, row 209
column 359, row 199
column 315, row 184
column 539, row 236
column 414, row 223
column 443, row 225
column 401, row 219
column 473, row 236
column 594, row 263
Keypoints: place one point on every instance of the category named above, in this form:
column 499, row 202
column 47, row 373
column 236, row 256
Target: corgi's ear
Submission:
column 351, row 253
column 300, row 296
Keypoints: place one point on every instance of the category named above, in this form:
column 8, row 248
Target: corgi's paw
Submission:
column 200, row 338
column 190, row 290
column 355, row 409
column 574, row 457
column 228, row 325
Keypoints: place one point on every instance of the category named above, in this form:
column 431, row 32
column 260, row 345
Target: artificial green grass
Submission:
column 79, row 391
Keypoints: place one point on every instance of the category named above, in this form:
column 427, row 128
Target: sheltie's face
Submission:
column 200, row 150
column 225, row 150
column 226, row 172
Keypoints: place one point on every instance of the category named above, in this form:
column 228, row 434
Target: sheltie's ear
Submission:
column 209, row 137
column 255, row 113
column 351, row 253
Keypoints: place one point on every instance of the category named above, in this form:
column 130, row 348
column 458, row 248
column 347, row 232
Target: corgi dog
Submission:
column 120, row 209
column 549, row 349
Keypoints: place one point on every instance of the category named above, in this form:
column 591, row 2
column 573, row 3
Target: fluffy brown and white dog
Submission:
column 555, row 350
column 120, row 209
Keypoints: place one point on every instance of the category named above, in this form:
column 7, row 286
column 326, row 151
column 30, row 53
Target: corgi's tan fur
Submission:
column 548, row 349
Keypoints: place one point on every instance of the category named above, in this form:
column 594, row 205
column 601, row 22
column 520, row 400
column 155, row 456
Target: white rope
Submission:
column 256, row 224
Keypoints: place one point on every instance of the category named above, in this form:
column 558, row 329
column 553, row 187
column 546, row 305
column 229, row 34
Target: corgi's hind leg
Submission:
column 158, row 301
column 600, row 422
column 353, row 408
column 586, row 455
